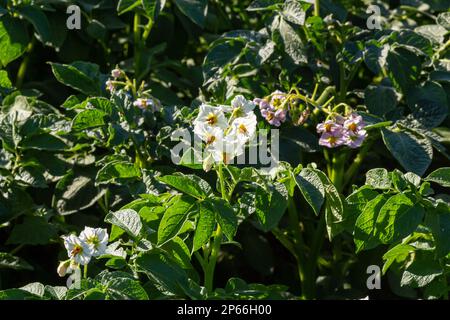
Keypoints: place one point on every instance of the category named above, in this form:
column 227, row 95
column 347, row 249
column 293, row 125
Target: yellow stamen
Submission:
column 242, row 129
column 211, row 119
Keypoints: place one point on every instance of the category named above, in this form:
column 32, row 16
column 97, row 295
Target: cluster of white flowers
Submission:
column 92, row 242
column 225, row 130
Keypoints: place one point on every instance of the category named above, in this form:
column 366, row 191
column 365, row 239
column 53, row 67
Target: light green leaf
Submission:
column 365, row 224
column 312, row 188
column 378, row 178
column 13, row 39
column 8, row 261
column 189, row 184
column 174, row 218
column 398, row 217
column 440, row 176
column 205, row 225
column 126, row 219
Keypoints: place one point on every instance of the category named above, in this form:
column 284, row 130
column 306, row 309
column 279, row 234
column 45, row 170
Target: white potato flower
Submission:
column 242, row 106
column 244, row 128
column 209, row 117
column 96, row 239
column 77, row 250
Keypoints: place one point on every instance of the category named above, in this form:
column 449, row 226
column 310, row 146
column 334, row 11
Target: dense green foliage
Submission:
column 81, row 146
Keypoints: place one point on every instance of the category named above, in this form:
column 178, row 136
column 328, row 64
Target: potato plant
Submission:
column 206, row 149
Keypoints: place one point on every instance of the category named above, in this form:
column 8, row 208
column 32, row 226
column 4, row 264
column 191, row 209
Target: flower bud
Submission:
column 116, row 73
column 63, row 268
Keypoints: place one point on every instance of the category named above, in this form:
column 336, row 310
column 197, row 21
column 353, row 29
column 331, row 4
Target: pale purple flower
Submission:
column 277, row 99
column 110, row 86
column 329, row 126
column 116, row 73
column 355, row 139
column 332, row 139
column 354, row 123
column 262, row 103
column 145, row 103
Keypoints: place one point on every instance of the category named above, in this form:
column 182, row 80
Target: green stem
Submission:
column 16, row 249
column 137, row 43
column 309, row 288
column 85, row 272
column 217, row 239
column 299, row 243
column 24, row 65
column 317, row 8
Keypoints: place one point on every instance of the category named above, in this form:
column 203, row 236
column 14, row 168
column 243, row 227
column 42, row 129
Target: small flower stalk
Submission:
column 142, row 99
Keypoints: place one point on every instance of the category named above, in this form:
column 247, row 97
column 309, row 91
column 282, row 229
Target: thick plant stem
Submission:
column 217, row 239
column 85, row 271
column 209, row 276
column 317, row 8
column 309, row 288
column 299, row 243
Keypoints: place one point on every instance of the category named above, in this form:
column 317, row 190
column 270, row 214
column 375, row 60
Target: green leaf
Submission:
column 412, row 150
column 91, row 118
column 434, row 32
column 76, row 191
column 153, row 7
column 13, row 39
column 8, row 261
column 439, row 221
column 5, row 83
column 117, row 170
column 429, row 104
column 312, row 188
column 179, row 251
column 293, row 44
column 174, row 218
column 195, row 10
column 81, row 76
column 365, row 224
column 35, row 288
column 293, row 12
column 43, row 141
column 354, row 205
column 422, row 271
column 189, row 184
column 167, row 276
column 205, row 225
column 39, row 21
column 119, row 285
column 226, row 217
column 334, row 212
column 440, row 176
column 398, row 217
column 270, row 205
column 126, row 219
column 404, row 68
column 380, row 99
column 18, row 294
column 399, row 254
column 378, row 178
column 33, row 231
column 258, row 5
